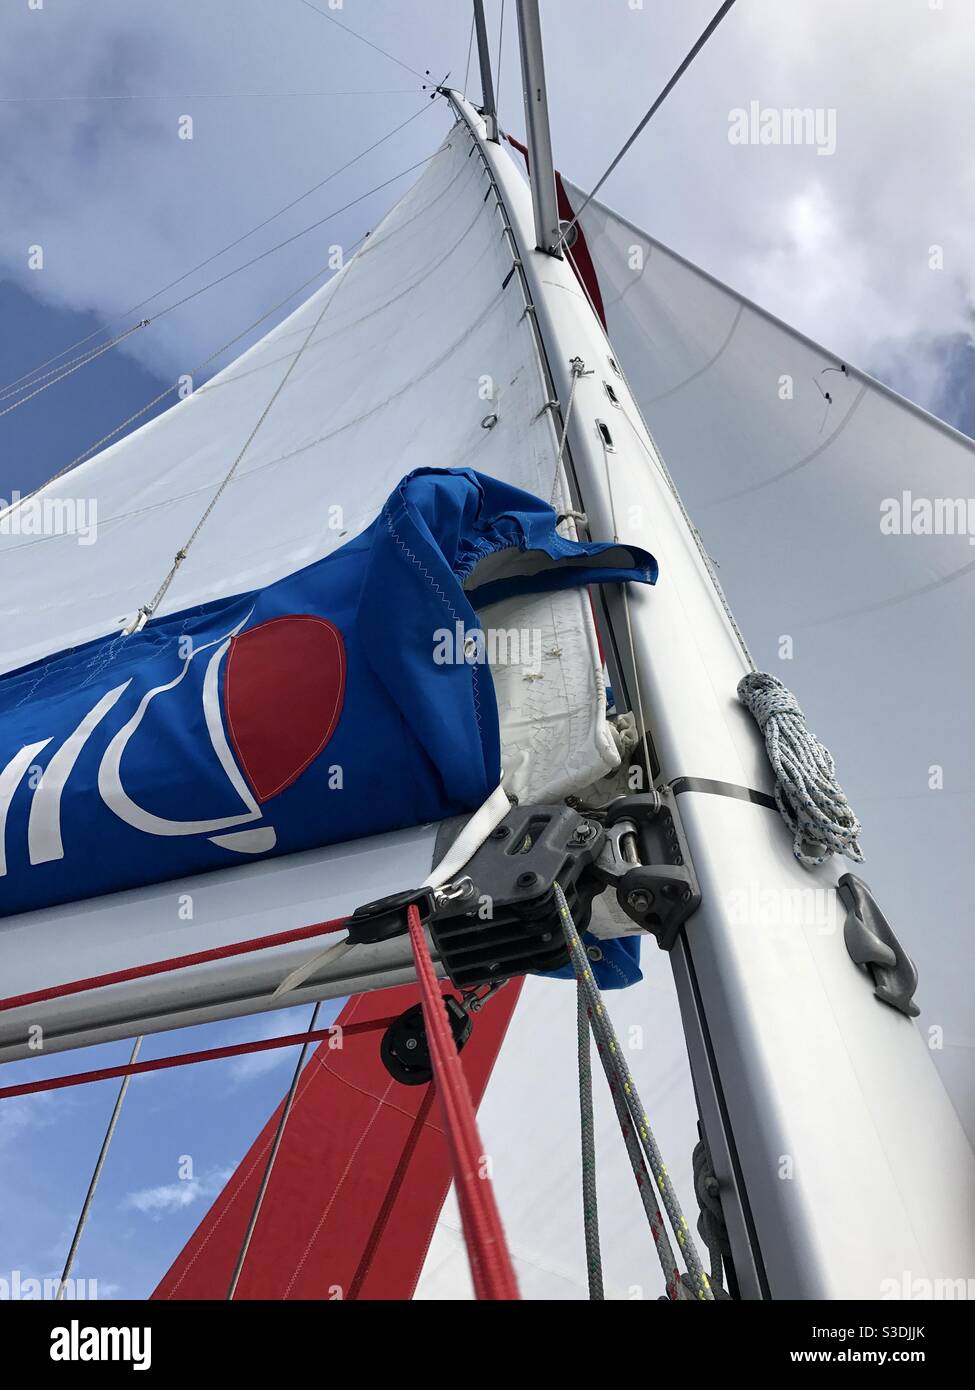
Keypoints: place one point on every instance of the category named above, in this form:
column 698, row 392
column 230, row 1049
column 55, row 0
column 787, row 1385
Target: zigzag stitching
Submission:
column 444, row 600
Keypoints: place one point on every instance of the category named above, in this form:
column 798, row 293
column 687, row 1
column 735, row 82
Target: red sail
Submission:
column 359, row 1179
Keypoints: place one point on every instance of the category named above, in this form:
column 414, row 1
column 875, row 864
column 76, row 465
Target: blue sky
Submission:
column 121, row 206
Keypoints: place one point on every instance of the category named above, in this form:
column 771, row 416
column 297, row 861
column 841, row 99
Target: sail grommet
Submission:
column 489, row 422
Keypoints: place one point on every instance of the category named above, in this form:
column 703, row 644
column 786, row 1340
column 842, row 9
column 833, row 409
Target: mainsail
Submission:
column 413, row 356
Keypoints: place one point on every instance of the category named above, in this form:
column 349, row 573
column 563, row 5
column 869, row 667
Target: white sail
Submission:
column 393, row 378
column 843, row 530
column 419, row 340
column 825, row 1100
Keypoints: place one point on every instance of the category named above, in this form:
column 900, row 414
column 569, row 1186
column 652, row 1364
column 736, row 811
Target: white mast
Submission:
column 536, row 122
column 489, row 106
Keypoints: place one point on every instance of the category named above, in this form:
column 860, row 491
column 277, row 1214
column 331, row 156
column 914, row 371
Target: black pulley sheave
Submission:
column 405, row 1050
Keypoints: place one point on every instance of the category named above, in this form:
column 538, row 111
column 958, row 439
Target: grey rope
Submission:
column 78, row 360
column 99, row 1165
column 271, row 1158
column 710, row 1223
column 69, row 368
column 811, row 801
column 635, row 1125
column 590, row 1205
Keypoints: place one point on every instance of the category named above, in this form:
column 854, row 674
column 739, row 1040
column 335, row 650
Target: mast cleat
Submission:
column 871, row 943
column 645, row 859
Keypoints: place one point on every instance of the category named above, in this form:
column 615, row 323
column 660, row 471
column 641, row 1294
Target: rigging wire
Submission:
column 678, row 74
column 289, row 1101
column 497, row 85
column 578, row 370
column 79, row 1229
column 470, row 49
column 66, row 369
column 178, row 304
column 345, row 28
column 294, row 237
column 216, row 96
column 144, row 410
column 10, row 387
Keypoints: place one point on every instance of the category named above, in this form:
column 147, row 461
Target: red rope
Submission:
column 161, row 967
column 182, row 1059
column 487, row 1249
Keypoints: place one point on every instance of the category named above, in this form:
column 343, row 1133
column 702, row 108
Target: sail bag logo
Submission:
column 297, row 662
column 303, row 714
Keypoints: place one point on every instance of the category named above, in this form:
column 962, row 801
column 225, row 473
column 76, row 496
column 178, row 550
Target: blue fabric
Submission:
column 416, row 741
column 617, row 966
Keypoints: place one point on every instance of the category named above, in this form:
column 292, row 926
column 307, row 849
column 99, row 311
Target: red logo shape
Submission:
column 283, row 689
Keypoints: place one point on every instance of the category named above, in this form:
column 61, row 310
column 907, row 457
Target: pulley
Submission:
column 404, row 1048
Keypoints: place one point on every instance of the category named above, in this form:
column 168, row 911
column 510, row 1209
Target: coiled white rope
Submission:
column 812, row 803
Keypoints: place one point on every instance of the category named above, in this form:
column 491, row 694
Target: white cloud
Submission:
column 254, row 1065
column 23, row 1114
column 838, row 246
column 121, row 205
column 157, row 1202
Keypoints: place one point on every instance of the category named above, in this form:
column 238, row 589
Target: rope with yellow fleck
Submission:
column 637, row 1134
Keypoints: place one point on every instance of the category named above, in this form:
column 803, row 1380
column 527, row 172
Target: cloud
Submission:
column 838, row 246
column 23, row 1114
column 274, row 1025
column 121, row 204
column 157, row 1202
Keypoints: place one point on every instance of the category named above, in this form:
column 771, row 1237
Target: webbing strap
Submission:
column 487, row 1249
